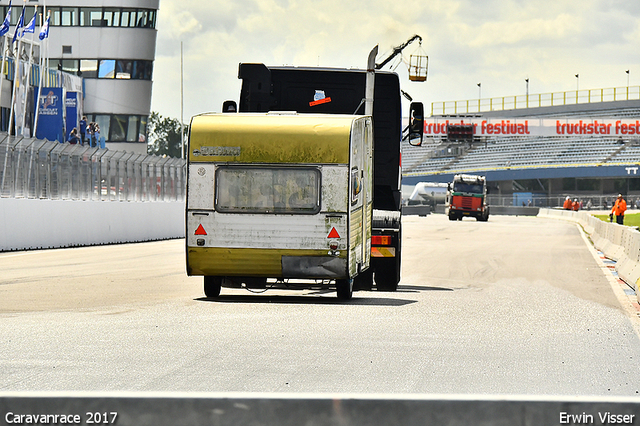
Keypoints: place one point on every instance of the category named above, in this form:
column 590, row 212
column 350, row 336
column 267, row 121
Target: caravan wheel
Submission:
column 344, row 289
column 212, row 286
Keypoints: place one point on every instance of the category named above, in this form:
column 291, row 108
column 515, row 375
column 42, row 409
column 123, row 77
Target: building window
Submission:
column 15, row 14
column 120, row 127
column 102, row 120
column 129, row 17
column 132, row 129
column 142, row 131
column 91, row 17
column 107, row 68
column 67, row 50
column 112, row 17
column 55, row 16
column 142, row 70
column 70, row 65
column 89, row 68
column 69, row 17
column 123, row 69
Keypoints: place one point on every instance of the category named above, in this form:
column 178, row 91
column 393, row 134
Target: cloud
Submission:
column 175, row 23
column 497, row 42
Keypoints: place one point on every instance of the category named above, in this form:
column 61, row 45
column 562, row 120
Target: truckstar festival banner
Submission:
column 493, row 127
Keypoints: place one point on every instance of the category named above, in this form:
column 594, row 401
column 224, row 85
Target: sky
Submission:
column 495, row 43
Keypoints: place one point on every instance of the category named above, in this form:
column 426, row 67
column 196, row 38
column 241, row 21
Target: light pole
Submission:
column 182, row 99
column 527, row 91
column 577, row 86
column 627, row 71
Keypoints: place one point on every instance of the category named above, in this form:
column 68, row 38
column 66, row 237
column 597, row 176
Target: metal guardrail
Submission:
column 589, row 202
column 536, row 100
column 32, row 168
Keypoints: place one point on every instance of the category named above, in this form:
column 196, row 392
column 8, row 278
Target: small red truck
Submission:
column 467, row 196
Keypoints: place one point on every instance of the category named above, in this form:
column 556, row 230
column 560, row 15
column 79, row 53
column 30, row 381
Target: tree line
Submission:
column 164, row 136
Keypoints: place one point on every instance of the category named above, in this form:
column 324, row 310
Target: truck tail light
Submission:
column 381, row 240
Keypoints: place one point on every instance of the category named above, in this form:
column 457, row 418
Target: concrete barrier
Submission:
column 34, row 224
column 419, row 210
column 502, row 210
column 514, row 210
column 317, row 410
column 617, row 242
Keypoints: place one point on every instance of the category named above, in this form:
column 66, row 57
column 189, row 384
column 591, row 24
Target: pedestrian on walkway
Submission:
column 83, row 129
column 73, row 136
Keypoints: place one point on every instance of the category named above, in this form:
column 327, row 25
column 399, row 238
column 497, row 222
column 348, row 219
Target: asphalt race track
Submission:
column 516, row 306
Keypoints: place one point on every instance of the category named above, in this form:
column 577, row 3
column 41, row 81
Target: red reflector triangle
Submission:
column 333, row 233
column 200, row 231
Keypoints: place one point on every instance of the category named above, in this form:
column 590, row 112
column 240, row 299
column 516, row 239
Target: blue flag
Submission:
column 31, row 26
column 7, row 22
column 20, row 25
column 44, row 31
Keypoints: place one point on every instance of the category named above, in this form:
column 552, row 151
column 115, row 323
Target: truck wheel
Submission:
column 212, row 286
column 386, row 280
column 452, row 217
column 363, row 281
column 387, row 274
column 344, row 288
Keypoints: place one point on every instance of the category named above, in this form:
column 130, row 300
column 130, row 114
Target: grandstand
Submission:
column 546, row 166
column 519, row 153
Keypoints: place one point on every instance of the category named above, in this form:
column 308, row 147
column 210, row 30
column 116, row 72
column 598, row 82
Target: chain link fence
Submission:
column 41, row 169
column 589, row 202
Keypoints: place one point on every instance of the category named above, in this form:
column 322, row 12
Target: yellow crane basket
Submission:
column 418, row 66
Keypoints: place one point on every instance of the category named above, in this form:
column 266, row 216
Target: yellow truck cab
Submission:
column 279, row 200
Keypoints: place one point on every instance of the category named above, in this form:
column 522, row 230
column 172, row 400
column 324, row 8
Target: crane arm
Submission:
column 397, row 50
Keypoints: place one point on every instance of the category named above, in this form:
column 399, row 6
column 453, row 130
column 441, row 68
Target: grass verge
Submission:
column 632, row 219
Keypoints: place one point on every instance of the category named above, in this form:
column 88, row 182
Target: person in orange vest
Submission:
column 567, row 203
column 575, row 205
column 619, row 207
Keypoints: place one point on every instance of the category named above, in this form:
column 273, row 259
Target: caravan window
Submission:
column 267, row 190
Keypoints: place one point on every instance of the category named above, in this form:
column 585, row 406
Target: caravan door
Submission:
column 361, row 195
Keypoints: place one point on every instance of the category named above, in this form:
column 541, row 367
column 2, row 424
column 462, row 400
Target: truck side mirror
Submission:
column 416, row 123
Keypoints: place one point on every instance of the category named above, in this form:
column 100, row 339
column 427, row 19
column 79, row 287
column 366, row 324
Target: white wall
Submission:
column 34, row 224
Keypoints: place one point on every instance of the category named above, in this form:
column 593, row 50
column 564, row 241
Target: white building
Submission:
column 111, row 44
